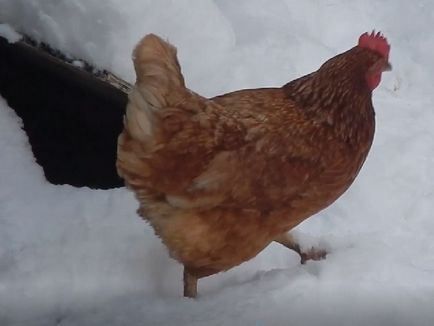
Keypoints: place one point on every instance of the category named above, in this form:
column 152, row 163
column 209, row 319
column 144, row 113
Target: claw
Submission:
column 312, row 254
column 289, row 242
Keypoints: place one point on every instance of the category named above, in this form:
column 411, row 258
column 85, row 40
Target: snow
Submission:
column 71, row 256
column 9, row 33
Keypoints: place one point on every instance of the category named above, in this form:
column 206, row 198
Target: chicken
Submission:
column 219, row 179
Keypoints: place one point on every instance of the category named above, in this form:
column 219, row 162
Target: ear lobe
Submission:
column 373, row 80
column 373, row 76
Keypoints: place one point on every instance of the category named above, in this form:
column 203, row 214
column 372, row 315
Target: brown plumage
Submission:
column 220, row 178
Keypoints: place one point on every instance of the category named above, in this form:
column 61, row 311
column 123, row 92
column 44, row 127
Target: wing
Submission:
column 253, row 149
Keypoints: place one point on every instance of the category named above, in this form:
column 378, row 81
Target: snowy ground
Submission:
column 73, row 256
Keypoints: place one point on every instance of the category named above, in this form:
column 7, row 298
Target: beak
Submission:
column 387, row 67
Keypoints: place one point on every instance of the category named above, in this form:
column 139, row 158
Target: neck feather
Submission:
column 342, row 104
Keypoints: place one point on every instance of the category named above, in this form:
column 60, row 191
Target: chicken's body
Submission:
column 220, row 178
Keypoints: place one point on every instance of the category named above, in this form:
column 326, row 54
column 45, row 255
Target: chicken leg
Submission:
column 288, row 241
column 190, row 285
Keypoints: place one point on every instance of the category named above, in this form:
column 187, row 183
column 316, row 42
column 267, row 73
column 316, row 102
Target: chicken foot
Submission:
column 289, row 242
column 286, row 239
column 190, row 285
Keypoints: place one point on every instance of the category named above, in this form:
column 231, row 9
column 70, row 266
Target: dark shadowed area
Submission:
column 71, row 117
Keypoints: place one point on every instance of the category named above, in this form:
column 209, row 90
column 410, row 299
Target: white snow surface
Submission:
column 71, row 256
column 9, row 33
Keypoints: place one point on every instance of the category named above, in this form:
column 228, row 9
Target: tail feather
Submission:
column 159, row 82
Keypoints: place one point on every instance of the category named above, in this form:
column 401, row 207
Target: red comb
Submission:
column 376, row 42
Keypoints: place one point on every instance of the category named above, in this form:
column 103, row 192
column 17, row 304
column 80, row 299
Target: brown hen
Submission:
column 219, row 179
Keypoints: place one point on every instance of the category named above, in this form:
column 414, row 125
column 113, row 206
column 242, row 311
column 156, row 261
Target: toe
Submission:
column 313, row 254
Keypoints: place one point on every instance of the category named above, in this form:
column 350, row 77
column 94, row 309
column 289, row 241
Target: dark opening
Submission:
column 71, row 117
